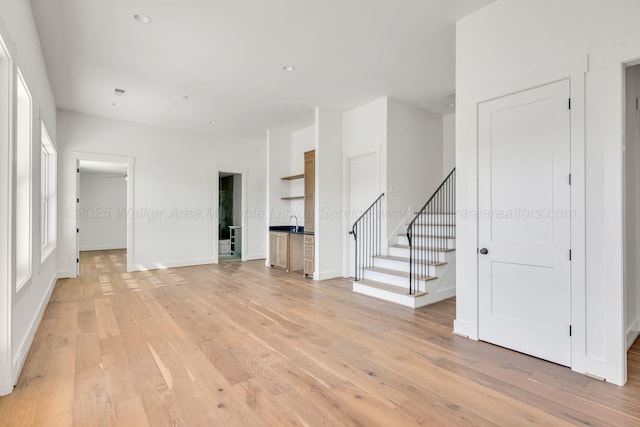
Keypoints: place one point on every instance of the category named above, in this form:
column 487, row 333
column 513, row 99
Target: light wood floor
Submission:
column 241, row 345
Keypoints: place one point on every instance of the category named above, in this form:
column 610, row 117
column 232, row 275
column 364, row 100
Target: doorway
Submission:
column 632, row 204
column 524, row 238
column 229, row 217
column 364, row 188
column 103, row 216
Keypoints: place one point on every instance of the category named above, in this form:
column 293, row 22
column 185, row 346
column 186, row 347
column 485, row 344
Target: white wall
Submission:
column 301, row 141
column 7, row 269
column 174, row 182
column 414, row 161
column 448, row 143
column 278, row 210
column 328, row 194
column 364, row 131
column 278, row 166
column 632, row 206
column 26, row 307
column 408, row 142
column 517, row 40
column 102, row 212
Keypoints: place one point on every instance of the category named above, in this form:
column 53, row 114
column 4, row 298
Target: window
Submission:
column 48, row 167
column 23, row 183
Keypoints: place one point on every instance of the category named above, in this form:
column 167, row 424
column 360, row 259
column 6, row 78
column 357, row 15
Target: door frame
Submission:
column 615, row 61
column 244, row 173
column 7, row 232
column 347, row 220
column 467, row 106
column 560, row 262
column 104, row 158
column 630, row 335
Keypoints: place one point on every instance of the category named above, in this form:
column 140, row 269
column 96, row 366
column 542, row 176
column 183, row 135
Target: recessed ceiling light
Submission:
column 119, row 92
column 289, row 68
column 143, row 19
column 115, row 104
column 184, row 98
column 212, row 122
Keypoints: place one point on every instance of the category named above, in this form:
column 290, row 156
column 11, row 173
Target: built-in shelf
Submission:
column 292, row 198
column 292, row 177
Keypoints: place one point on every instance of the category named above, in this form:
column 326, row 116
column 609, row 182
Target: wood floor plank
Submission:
column 239, row 344
column 264, row 404
column 56, row 397
column 129, row 413
column 106, row 319
column 463, row 392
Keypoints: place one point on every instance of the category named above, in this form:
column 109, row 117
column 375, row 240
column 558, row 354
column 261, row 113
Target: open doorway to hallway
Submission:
column 632, row 204
column 101, row 217
column 229, row 217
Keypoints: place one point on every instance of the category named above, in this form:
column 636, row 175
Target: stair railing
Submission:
column 429, row 231
column 367, row 233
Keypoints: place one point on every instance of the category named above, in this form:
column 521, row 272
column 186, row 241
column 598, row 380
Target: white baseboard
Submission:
column 103, row 247
column 27, row 341
column 463, row 328
column 450, row 291
column 66, row 274
column 326, row 275
column 170, row 264
column 633, row 332
column 255, row 257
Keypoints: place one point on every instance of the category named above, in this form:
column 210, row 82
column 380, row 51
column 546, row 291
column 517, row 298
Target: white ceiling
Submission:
column 227, row 56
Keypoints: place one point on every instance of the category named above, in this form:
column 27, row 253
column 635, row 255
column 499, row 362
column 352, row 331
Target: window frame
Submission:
column 48, row 193
column 23, row 278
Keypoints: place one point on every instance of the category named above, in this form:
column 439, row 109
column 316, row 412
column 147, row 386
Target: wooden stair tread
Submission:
column 389, row 288
column 431, row 224
column 434, row 213
column 396, row 273
column 292, row 177
column 428, row 235
column 424, row 248
column 403, row 259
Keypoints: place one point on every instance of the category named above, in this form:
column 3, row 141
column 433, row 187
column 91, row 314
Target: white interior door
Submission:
column 524, row 222
column 364, row 188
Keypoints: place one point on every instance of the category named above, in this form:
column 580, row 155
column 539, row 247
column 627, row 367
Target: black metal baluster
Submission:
column 436, row 226
column 367, row 236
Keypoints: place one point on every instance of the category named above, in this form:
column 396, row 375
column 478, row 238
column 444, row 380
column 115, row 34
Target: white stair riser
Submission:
column 430, row 270
column 404, row 253
column 402, row 282
column 435, row 241
column 405, row 300
column 437, row 219
column 441, row 230
column 436, row 290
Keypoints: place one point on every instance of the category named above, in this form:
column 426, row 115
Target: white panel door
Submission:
column 524, row 222
column 364, row 189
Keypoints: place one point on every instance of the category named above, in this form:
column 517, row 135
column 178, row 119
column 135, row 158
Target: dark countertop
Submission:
column 291, row 229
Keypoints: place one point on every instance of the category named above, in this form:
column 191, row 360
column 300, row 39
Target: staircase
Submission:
column 418, row 268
